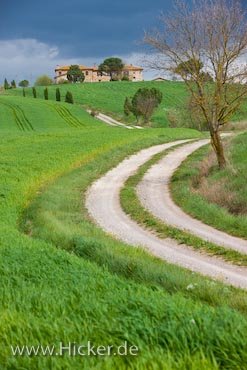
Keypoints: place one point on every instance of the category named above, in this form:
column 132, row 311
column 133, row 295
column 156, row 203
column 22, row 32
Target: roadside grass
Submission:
column 58, row 216
column 233, row 182
column 133, row 207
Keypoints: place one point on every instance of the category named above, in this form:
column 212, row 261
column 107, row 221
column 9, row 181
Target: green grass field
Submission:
column 19, row 114
column 231, row 181
column 109, row 97
column 64, row 280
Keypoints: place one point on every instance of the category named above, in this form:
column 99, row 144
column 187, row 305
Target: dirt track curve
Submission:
column 103, row 204
column 154, row 194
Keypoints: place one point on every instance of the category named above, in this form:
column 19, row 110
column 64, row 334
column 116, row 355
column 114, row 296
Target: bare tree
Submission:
column 212, row 33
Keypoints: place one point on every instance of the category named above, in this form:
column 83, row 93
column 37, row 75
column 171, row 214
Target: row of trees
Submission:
column 12, row 84
column 43, row 80
column 68, row 97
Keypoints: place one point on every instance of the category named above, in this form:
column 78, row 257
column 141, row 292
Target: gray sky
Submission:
column 36, row 36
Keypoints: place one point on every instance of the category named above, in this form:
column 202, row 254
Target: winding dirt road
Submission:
column 103, row 204
column 155, row 196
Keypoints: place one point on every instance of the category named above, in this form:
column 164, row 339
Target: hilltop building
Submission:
column 92, row 74
column 159, row 79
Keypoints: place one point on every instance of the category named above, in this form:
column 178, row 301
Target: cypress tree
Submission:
column 34, row 92
column 58, row 95
column 69, row 98
column 46, row 94
column 6, row 84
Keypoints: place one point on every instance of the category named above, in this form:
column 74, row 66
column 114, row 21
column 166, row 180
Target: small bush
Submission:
column 43, row 81
column 62, row 81
column 125, row 78
column 69, row 98
column 115, row 79
column 94, row 112
column 174, row 118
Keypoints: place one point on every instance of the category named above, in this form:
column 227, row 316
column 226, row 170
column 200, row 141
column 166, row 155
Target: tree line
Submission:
column 68, row 96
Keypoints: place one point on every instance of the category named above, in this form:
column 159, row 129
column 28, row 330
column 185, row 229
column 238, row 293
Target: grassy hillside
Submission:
column 73, row 283
column 110, row 97
column 19, row 114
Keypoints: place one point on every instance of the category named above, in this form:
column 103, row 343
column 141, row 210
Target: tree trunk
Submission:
column 218, row 148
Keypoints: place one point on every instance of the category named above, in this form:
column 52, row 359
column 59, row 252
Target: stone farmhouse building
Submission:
column 92, row 74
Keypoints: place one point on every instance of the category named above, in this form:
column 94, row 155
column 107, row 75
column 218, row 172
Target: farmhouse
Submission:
column 92, row 74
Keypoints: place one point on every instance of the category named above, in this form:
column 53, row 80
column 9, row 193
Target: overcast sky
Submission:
column 35, row 36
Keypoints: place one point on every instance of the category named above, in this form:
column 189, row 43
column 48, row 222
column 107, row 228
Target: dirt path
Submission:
column 154, row 194
column 103, row 204
column 112, row 122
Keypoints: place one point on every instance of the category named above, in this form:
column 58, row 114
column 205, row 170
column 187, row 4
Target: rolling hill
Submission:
column 109, row 97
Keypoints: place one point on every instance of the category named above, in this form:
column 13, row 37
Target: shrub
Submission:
column 125, row 78
column 94, row 112
column 174, row 118
column 115, row 78
column 69, row 98
column 43, row 80
column 62, row 81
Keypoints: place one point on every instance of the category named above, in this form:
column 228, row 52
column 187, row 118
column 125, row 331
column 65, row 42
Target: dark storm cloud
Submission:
column 78, row 27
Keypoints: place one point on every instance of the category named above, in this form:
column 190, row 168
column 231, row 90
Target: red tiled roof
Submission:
column 127, row 67
column 66, row 68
